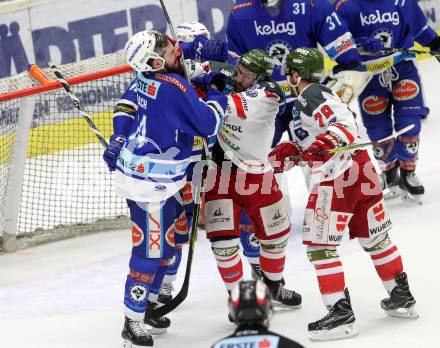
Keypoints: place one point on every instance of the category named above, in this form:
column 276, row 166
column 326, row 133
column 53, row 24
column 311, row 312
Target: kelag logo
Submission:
column 76, row 39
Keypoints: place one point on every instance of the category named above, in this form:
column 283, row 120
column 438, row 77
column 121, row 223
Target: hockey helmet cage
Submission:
column 250, row 302
column 144, row 46
column 187, row 31
column 309, row 62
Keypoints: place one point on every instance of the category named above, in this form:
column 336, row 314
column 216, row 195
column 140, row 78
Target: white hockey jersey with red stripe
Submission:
column 249, row 126
column 318, row 110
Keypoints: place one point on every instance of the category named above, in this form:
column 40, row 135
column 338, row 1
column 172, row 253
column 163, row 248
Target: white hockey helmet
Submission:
column 187, row 31
column 143, row 46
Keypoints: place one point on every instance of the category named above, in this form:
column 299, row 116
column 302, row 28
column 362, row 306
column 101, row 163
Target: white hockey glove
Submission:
column 194, row 69
column 348, row 84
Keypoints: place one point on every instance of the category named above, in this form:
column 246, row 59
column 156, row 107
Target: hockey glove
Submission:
column 323, row 142
column 285, row 156
column 214, row 50
column 369, row 44
column 211, row 78
column 113, row 150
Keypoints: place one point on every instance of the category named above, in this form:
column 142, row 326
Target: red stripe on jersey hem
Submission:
column 238, row 105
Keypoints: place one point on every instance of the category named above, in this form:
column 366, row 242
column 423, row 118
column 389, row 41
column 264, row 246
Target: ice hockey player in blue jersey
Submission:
column 279, row 26
column 154, row 125
column 394, row 97
column 250, row 305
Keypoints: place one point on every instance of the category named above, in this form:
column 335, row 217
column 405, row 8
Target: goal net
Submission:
column 53, row 181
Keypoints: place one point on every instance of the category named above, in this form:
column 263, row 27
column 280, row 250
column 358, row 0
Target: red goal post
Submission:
column 53, row 181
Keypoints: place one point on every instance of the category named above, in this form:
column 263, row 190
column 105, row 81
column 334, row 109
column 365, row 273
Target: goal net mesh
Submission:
column 67, row 187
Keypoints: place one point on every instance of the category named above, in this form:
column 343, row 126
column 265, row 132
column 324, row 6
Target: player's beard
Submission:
column 176, row 68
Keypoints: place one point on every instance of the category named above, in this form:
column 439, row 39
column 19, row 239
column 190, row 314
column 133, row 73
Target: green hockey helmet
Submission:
column 259, row 62
column 309, row 62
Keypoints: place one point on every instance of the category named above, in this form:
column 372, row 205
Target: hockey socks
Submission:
column 329, row 271
column 228, row 259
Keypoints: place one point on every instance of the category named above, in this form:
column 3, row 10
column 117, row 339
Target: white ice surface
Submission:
column 69, row 293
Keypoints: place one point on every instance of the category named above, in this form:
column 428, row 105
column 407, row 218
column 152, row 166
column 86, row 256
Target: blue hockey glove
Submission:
column 214, row 50
column 212, row 78
column 113, row 150
column 370, row 44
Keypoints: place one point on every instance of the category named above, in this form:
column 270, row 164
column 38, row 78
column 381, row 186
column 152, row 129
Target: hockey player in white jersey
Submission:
column 345, row 195
column 243, row 179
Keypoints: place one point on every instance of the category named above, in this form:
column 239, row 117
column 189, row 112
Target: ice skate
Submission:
column 339, row 323
column 256, row 271
column 135, row 334
column 165, row 294
column 401, row 303
column 282, row 296
column 155, row 326
column 390, row 183
column 412, row 187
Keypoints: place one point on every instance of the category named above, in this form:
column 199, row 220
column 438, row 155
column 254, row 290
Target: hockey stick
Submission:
column 409, row 51
column 357, row 146
column 182, row 294
column 78, row 104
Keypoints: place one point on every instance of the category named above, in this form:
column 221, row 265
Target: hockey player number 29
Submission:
column 326, row 111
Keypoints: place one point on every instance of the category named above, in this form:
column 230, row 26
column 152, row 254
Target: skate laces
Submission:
column 284, row 293
column 137, row 328
column 166, row 288
column 387, row 78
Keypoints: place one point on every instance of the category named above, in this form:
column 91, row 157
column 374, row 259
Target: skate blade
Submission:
column 338, row 333
column 155, row 331
column 412, row 199
column 280, row 305
column 391, row 192
column 403, row 313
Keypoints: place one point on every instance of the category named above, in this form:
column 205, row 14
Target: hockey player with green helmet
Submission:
column 345, row 196
column 240, row 153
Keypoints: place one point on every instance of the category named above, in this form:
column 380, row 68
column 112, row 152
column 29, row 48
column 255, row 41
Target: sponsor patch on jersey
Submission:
column 137, row 235
column 171, row 80
column 378, row 219
column 138, row 293
column 375, row 105
column 379, row 17
column 288, row 28
column 219, row 215
column 148, row 87
column 251, row 341
column 275, row 219
column 405, row 90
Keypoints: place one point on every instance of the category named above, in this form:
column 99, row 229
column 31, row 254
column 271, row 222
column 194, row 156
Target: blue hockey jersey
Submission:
column 397, row 22
column 299, row 23
column 160, row 114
